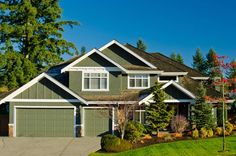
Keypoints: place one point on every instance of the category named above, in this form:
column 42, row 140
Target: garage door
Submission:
column 97, row 122
column 45, row 122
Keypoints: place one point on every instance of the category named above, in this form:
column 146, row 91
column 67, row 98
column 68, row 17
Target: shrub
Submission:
column 210, row 133
column 203, row 132
column 229, row 127
column 179, row 123
column 168, row 138
column 134, row 131
column 195, row 134
column 108, row 141
column 218, row 131
column 111, row 143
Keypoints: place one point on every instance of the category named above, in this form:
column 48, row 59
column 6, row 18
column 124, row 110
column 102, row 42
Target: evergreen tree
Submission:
column 34, row 29
column 83, row 50
column 158, row 115
column 212, row 64
column 141, row 45
column 15, row 70
column 203, row 111
column 231, row 75
column 180, row 59
column 173, row 56
column 199, row 62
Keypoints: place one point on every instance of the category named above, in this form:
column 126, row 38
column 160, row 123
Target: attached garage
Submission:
column 97, row 121
column 44, row 121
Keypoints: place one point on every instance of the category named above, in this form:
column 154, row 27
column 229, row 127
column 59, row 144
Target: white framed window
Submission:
column 138, row 81
column 95, row 81
column 167, row 78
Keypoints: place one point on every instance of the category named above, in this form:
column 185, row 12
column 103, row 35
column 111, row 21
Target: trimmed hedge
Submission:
column 111, row 143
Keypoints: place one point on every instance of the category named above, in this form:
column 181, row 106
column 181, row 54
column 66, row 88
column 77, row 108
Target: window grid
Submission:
column 138, row 81
column 100, row 77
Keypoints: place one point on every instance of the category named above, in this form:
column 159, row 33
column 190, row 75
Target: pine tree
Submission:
column 141, row 45
column 173, row 56
column 83, row 50
column 180, row 59
column 199, row 62
column 15, row 70
column 158, row 115
column 34, row 29
column 212, row 64
column 203, row 111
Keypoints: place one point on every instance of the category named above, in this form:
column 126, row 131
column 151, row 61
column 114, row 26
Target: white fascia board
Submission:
column 115, row 69
column 173, row 73
column 200, row 78
column 146, row 99
column 111, row 102
column 35, row 80
column 87, row 55
column 143, row 72
column 44, row 100
column 128, row 50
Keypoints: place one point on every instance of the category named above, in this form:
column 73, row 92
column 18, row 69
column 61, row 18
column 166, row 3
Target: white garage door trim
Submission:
column 15, row 108
column 113, row 118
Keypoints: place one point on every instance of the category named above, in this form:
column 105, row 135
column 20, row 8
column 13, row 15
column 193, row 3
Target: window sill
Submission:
column 95, row 90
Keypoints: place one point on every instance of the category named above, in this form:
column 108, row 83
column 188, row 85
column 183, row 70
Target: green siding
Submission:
column 97, row 122
column 44, row 122
column 75, row 83
column 94, row 60
column 121, row 56
column 174, row 93
column 44, row 89
column 12, row 104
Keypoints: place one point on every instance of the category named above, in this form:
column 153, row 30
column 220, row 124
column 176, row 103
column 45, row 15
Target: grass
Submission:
column 201, row 147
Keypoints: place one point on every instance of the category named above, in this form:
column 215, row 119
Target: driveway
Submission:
column 48, row 146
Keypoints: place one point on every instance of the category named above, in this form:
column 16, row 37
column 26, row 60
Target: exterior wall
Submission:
column 173, row 93
column 121, row 56
column 44, row 89
column 94, row 60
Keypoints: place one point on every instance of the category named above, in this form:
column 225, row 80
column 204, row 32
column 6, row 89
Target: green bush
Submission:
column 210, row 133
column 109, row 140
column 203, row 132
column 195, row 134
column 229, row 127
column 111, row 143
column 134, row 131
column 218, row 131
column 168, row 138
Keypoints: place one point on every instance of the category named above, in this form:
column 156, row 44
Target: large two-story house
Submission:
column 79, row 96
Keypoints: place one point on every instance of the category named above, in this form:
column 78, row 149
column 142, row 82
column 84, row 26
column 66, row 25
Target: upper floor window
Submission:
column 167, row 78
column 95, row 81
column 138, row 81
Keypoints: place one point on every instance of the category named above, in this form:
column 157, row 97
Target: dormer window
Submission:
column 95, row 81
column 138, row 81
column 167, row 78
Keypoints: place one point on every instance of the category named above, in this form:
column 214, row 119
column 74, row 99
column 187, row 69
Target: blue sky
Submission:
column 165, row 26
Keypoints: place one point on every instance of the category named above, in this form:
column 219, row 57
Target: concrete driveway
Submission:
column 48, row 146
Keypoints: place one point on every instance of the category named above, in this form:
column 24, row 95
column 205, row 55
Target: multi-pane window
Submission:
column 138, row 81
column 168, row 78
column 95, row 81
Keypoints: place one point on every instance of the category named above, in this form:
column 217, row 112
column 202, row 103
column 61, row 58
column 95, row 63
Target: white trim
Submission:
column 34, row 81
column 99, row 90
column 129, row 51
column 44, row 100
column 51, row 107
column 111, row 102
column 148, row 77
column 83, row 120
column 161, row 81
column 173, row 73
column 191, row 101
column 91, row 69
column 87, row 55
column 113, row 120
column 200, row 78
column 144, row 71
column 146, row 100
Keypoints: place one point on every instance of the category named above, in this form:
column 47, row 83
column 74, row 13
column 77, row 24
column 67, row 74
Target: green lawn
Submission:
column 201, row 147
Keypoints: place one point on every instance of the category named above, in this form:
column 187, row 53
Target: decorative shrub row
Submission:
column 134, row 131
column 111, row 143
